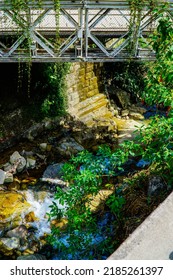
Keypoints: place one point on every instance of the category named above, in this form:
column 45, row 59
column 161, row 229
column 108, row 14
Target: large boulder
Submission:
column 12, row 206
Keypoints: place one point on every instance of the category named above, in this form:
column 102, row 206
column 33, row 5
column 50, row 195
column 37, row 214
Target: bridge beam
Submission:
column 87, row 31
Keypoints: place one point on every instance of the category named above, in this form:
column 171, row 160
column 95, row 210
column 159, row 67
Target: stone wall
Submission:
column 85, row 102
column 81, row 84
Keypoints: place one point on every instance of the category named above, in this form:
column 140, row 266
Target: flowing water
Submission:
column 40, row 202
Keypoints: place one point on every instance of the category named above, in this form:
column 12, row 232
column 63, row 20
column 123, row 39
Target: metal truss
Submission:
column 87, row 31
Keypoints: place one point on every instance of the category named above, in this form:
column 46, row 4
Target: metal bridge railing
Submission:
column 88, row 31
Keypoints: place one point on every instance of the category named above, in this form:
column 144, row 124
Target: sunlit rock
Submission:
column 18, row 160
column 12, row 206
column 30, row 217
column 61, row 223
column 96, row 202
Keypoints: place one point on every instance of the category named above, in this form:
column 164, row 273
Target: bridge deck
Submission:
column 88, row 31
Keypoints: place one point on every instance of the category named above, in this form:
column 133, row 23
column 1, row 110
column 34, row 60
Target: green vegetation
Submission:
column 48, row 96
column 128, row 76
column 24, row 22
column 55, row 102
column 88, row 173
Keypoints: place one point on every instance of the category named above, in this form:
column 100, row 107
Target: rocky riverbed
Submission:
column 30, row 171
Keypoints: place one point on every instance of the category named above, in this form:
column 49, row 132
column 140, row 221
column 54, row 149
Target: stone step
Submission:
column 90, row 101
column 99, row 106
column 107, row 117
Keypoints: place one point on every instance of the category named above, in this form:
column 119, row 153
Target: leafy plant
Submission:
column 55, row 102
column 86, row 175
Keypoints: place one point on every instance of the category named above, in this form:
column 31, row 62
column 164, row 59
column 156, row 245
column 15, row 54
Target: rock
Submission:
column 61, row 223
column 18, row 160
column 2, row 177
column 8, row 177
column 18, row 232
column 30, row 163
column 32, row 257
column 68, row 147
column 30, row 217
column 125, row 113
column 142, row 163
column 123, row 98
column 43, row 147
column 53, row 171
column 156, row 183
column 7, row 167
column 136, row 116
column 10, row 243
column 138, row 109
column 14, row 186
column 98, row 200
column 12, row 206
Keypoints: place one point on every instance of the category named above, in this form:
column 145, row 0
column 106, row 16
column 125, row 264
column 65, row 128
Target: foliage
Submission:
column 23, row 7
column 55, row 102
column 128, row 76
column 136, row 14
column 86, row 172
column 86, row 175
column 159, row 87
column 48, row 96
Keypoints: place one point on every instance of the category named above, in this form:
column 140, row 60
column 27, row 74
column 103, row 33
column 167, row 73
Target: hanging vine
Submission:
column 136, row 14
column 22, row 6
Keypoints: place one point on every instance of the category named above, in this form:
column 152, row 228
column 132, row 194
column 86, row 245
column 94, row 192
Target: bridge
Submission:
column 78, row 30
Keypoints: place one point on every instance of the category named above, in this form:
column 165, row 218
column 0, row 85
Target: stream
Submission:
column 24, row 223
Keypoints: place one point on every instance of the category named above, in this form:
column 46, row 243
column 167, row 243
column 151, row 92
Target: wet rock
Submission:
column 18, row 160
column 32, row 257
column 18, row 232
column 2, row 177
column 156, row 183
column 10, row 243
column 30, row 217
column 61, row 223
column 98, row 200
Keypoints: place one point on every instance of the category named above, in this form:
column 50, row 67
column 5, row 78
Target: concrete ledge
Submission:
column 153, row 239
